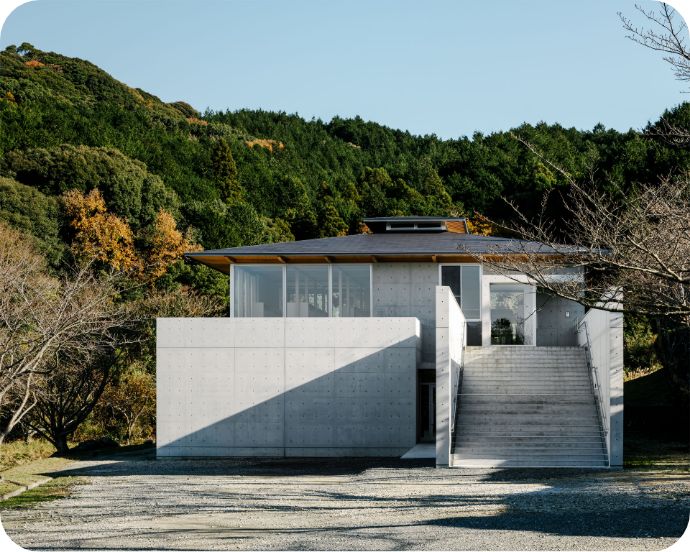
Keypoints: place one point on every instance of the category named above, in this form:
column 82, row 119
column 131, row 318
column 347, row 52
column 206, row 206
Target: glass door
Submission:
column 508, row 314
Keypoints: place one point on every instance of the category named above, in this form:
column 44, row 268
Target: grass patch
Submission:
column 17, row 453
column 60, row 487
column 23, row 475
column 646, row 452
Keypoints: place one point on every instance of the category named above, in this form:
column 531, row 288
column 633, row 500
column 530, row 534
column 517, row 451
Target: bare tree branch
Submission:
column 666, row 32
column 635, row 244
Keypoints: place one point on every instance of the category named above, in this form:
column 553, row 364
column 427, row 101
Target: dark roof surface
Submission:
column 386, row 244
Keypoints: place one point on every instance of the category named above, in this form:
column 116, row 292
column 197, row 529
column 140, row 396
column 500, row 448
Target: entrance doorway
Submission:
column 427, row 412
column 508, row 314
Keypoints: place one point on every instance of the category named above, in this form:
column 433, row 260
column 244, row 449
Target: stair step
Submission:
column 502, row 463
column 563, row 363
column 507, row 433
column 474, row 442
column 538, row 387
column 527, row 373
column 518, row 410
column 504, row 427
column 494, row 406
column 495, row 427
column 565, row 459
column 522, row 454
column 517, row 389
column 527, row 377
column 562, row 398
column 547, row 447
column 483, row 400
column 570, row 415
column 521, row 390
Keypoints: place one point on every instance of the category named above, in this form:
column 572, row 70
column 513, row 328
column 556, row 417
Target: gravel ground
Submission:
column 133, row 501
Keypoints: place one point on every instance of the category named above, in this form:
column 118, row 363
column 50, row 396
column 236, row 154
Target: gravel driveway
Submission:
column 133, row 501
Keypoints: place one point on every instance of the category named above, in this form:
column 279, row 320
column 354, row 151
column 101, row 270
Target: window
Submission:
column 465, row 283
column 351, row 290
column 412, row 226
column 316, row 290
column 258, row 291
column 307, row 291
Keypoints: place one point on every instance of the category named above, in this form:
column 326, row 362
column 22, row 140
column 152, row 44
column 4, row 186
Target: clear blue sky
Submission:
column 448, row 67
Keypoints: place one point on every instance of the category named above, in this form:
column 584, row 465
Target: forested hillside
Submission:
column 96, row 170
column 251, row 176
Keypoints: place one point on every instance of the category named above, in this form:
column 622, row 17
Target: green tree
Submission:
column 29, row 210
column 375, row 185
column 224, row 171
column 130, row 191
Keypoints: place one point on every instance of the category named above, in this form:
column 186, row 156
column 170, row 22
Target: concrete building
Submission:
column 374, row 344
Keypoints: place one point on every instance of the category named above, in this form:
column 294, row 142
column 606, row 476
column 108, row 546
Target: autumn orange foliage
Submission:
column 266, row 144
column 100, row 235
column 481, row 225
column 166, row 245
column 106, row 238
column 34, row 63
column 196, row 121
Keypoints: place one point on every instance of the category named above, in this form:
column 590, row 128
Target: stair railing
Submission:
column 594, row 378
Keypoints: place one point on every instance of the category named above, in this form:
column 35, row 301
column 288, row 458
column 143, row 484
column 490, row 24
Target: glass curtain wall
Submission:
column 310, row 290
column 258, row 291
column 351, row 290
column 307, row 291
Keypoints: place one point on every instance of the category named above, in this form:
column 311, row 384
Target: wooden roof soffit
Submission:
column 222, row 262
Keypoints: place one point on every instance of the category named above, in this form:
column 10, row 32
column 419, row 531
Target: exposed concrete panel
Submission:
column 557, row 320
column 408, row 289
column 286, row 387
column 450, row 331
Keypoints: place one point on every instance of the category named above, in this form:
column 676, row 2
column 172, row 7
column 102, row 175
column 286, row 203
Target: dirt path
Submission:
column 137, row 502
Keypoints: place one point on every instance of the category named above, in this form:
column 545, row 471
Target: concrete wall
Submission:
column 450, row 341
column 287, row 386
column 605, row 331
column 557, row 320
column 408, row 289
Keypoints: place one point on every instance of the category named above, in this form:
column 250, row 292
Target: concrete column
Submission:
column 443, row 296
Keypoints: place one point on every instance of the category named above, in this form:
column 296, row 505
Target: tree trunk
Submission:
column 60, row 442
column 673, row 349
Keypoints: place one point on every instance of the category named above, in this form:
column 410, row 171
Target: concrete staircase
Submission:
column 522, row 406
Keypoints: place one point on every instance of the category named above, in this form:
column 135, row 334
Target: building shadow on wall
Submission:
column 365, row 405
column 284, row 420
